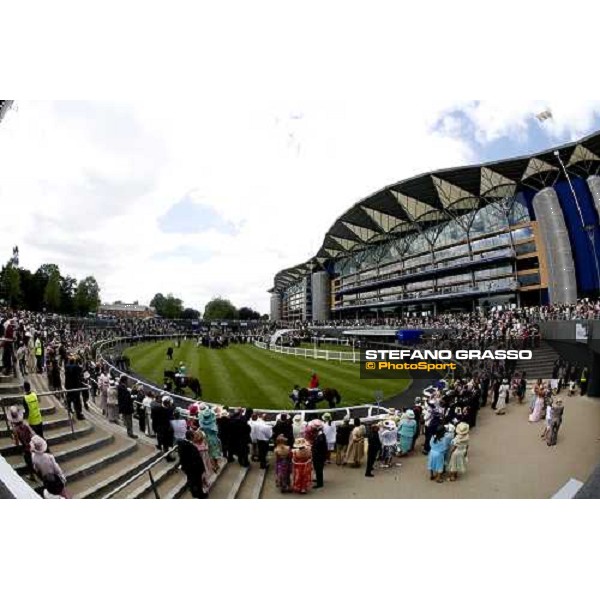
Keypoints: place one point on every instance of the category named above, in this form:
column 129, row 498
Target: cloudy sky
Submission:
column 203, row 200
column 285, row 121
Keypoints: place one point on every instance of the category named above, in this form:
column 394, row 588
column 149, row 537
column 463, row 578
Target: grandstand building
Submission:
column 523, row 231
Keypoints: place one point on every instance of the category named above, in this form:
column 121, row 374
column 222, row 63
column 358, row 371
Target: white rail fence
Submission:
column 316, row 353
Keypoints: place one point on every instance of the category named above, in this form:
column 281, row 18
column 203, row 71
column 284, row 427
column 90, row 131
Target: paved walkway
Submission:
column 507, row 459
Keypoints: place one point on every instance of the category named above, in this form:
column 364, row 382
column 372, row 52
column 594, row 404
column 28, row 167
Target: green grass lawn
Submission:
column 243, row 375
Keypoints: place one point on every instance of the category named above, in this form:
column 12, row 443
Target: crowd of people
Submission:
column 65, row 351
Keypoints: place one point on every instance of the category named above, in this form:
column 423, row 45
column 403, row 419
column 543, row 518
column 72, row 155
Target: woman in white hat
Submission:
column 46, row 467
column 388, row 436
column 330, row 431
column 407, row 429
column 458, row 451
column 298, row 426
column 112, row 403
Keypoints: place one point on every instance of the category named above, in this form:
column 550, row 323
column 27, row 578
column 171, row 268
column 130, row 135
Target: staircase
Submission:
column 541, row 363
column 97, row 456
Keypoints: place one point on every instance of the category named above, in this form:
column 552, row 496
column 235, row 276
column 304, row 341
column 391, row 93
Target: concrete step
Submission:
column 55, row 437
column 253, row 483
column 170, row 486
column 86, row 470
column 229, row 482
column 143, row 487
column 70, row 450
column 112, row 474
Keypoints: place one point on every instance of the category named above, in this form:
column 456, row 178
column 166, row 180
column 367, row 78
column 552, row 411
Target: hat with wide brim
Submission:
column 462, row 428
column 410, row 414
column 316, row 424
column 15, row 415
column 297, row 418
column 300, row 443
column 38, row 444
column 389, row 424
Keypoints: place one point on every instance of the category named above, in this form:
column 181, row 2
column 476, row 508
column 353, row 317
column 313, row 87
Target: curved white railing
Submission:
column 333, row 355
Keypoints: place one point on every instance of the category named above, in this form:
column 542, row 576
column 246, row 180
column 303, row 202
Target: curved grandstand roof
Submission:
column 439, row 196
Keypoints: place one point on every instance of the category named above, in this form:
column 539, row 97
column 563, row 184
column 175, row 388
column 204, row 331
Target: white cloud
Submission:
column 86, row 184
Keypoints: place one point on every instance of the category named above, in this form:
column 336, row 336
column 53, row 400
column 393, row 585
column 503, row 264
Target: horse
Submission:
column 310, row 398
column 184, row 381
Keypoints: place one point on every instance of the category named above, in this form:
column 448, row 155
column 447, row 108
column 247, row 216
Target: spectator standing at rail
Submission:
column 240, row 438
column 33, row 411
column 112, row 403
column 263, row 433
column 73, row 376
column 373, row 449
column 192, row 465
column 125, row 402
column 162, row 413
column 22, row 436
column 283, row 427
column 342, row 438
column 319, row 453
column 103, row 385
column 329, row 429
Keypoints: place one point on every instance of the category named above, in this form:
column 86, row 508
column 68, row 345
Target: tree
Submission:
column 220, row 308
column 10, row 284
column 87, row 296
column 190, row 313
column 247, row 314
column 68, row 285
column 168, row 307
column 52, row 292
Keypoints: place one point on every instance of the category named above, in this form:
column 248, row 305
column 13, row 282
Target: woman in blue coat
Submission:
column 436, row 456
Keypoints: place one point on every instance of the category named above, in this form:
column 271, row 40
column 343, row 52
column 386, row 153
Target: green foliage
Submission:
column 87, row 296
column 220, row 308
column 247, row 314
column 52, row 293
column 10, row 285
column 168, row 306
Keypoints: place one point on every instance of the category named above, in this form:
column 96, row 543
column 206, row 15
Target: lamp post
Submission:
column 589, row 229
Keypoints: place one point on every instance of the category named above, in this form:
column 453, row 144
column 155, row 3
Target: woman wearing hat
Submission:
column 22, row 436
column 330, row 431
column 199, row 440
column 502, row 397
column 555, row 422
column 283, row 464
column 356, row 446
column 407, row 430
column 46, row 467
column 437, row 451
column 208, row 424
column 458, row 451
column 298, row 426
column 302, row 466
column 388, row 435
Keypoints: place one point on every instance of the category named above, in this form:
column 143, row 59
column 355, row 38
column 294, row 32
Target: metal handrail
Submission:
column 139, row 474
